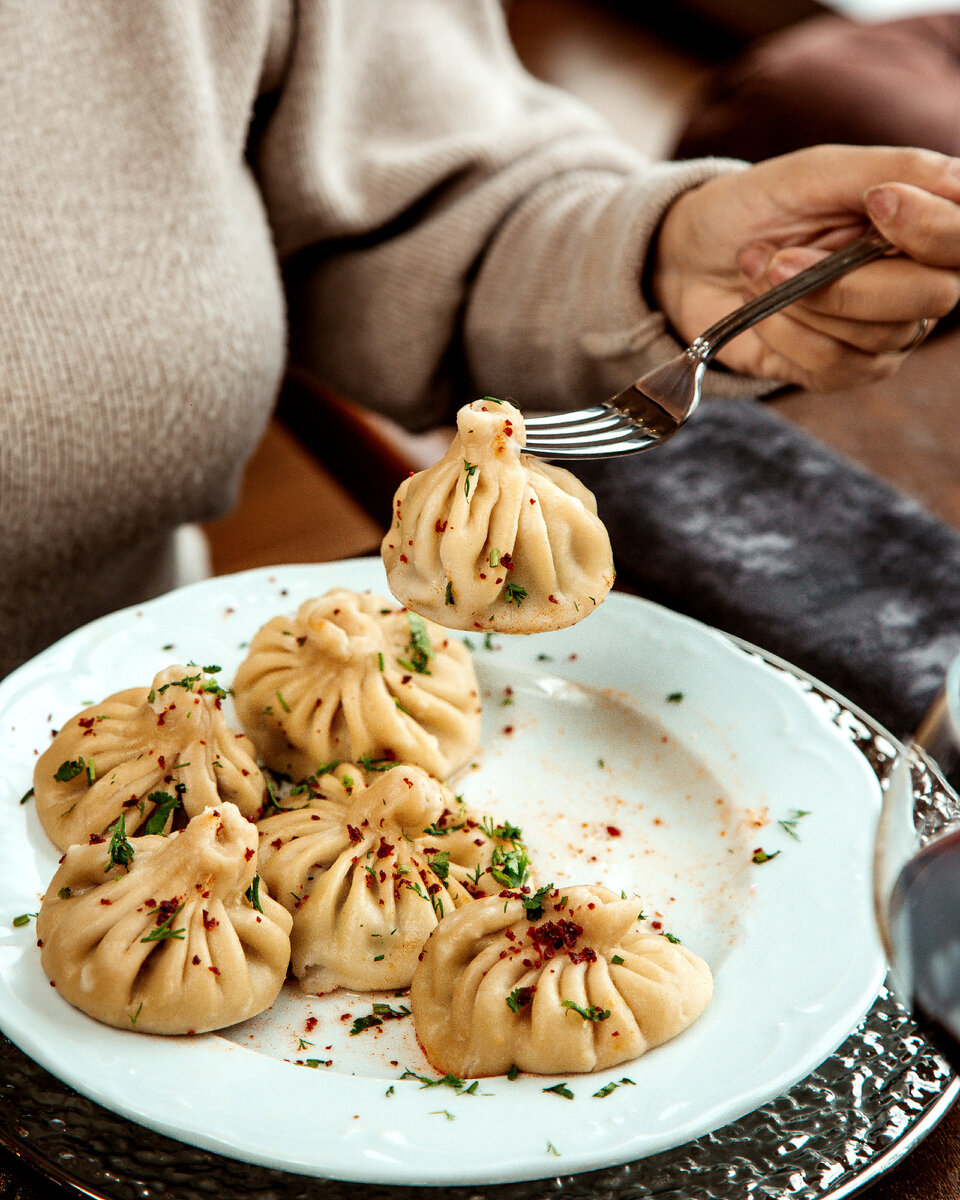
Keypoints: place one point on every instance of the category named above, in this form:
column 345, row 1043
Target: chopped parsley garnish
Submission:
column 513, row 593
column 253, row 894
column 164, row 804
column 448, row 599
column 23, row 919
column 672, row 937
column 120, row 851
column 133, row 1016
column 418, row 649
column 513, row 1073
column 761, row 856
column 440, row 865
column 494, row 557
column 675, row 697
column 612, row 1087
column 469, row 470
column 380, row 659
column 534, row 904
column 450, row 1081
column 491, row 400
column 368, row 1022
column 26, row 796
column 592, row 1013
column 510, row 867
column 551, row 1149
column 519, row 998
column 65, row 893
column 789, row 824
column 283, row 704
column 165, row 929
column 72, row 768
column 617, row 960
column 560, row 1089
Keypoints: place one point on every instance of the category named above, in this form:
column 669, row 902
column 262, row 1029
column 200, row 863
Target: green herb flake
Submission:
column 418, row 650
column 23, row 919
column 70, row 769
column 120, row 852
column 494, row 557
column 612, row 1087
column 253, row 894
column 559, row 1089
column 617, row 960
column 675, row 697
column 761, row 856
column 448, row 599
column 513, row 1073
column 672, row 937
column 513, row 593
column 283, row 704
column 519, row 998
column 592, row 1013
column 789, row 824
column 164, row 804
column 380, row 659
column 26, row 796
column 442, row 1112
column 469, row 469
column 133, row 1016
column 534, row 904
column 165, row 930
column 551, row 1149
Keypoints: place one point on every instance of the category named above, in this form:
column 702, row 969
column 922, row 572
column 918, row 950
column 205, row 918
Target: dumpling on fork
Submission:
column 490, row 538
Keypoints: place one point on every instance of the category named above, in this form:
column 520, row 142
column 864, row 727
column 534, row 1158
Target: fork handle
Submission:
column 872, row 245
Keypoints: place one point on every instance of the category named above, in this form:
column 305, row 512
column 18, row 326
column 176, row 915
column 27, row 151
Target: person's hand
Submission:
column 737, row 235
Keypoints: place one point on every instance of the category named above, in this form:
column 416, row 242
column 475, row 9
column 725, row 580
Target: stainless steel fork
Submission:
column 651, row 410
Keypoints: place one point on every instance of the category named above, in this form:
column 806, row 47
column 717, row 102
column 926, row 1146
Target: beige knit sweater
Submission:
column 178, row 175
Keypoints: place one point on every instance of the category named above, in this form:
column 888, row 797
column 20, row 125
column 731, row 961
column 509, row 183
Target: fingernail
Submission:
column 753, row 260
column 882, row 203
column 785, row 265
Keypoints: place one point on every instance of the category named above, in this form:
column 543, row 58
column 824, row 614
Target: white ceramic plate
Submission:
column 639, row 749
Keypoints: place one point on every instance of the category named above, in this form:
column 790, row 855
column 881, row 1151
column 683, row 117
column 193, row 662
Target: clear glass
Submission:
column 917, row 876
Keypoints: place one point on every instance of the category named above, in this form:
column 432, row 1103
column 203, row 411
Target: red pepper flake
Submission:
column 587, row 954
column 403, row 558
column 552, row 598
column 384, row 850
column 656, row 924
column 508, row 729
column 613, row 831
column 208, row 921
column 96, row 839
column 248, row 854
column 533, row 499
column 354, row 834
column 104, row 900
column 440, row 526
column 214, row 970
column 151, row 903
column 311, row 1026
column 196, row 960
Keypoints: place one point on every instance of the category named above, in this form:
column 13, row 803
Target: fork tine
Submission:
column 577, row 417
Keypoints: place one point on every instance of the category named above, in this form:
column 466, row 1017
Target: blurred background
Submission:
column 319, row 487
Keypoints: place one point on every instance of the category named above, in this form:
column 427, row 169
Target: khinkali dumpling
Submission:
column 572, row 980
column 151, row 754
column 166, row 934
column 370, row 863
column 350, row 677
column 492, row 539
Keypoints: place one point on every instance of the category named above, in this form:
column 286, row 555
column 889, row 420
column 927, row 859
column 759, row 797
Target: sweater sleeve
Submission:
column 448, row 225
